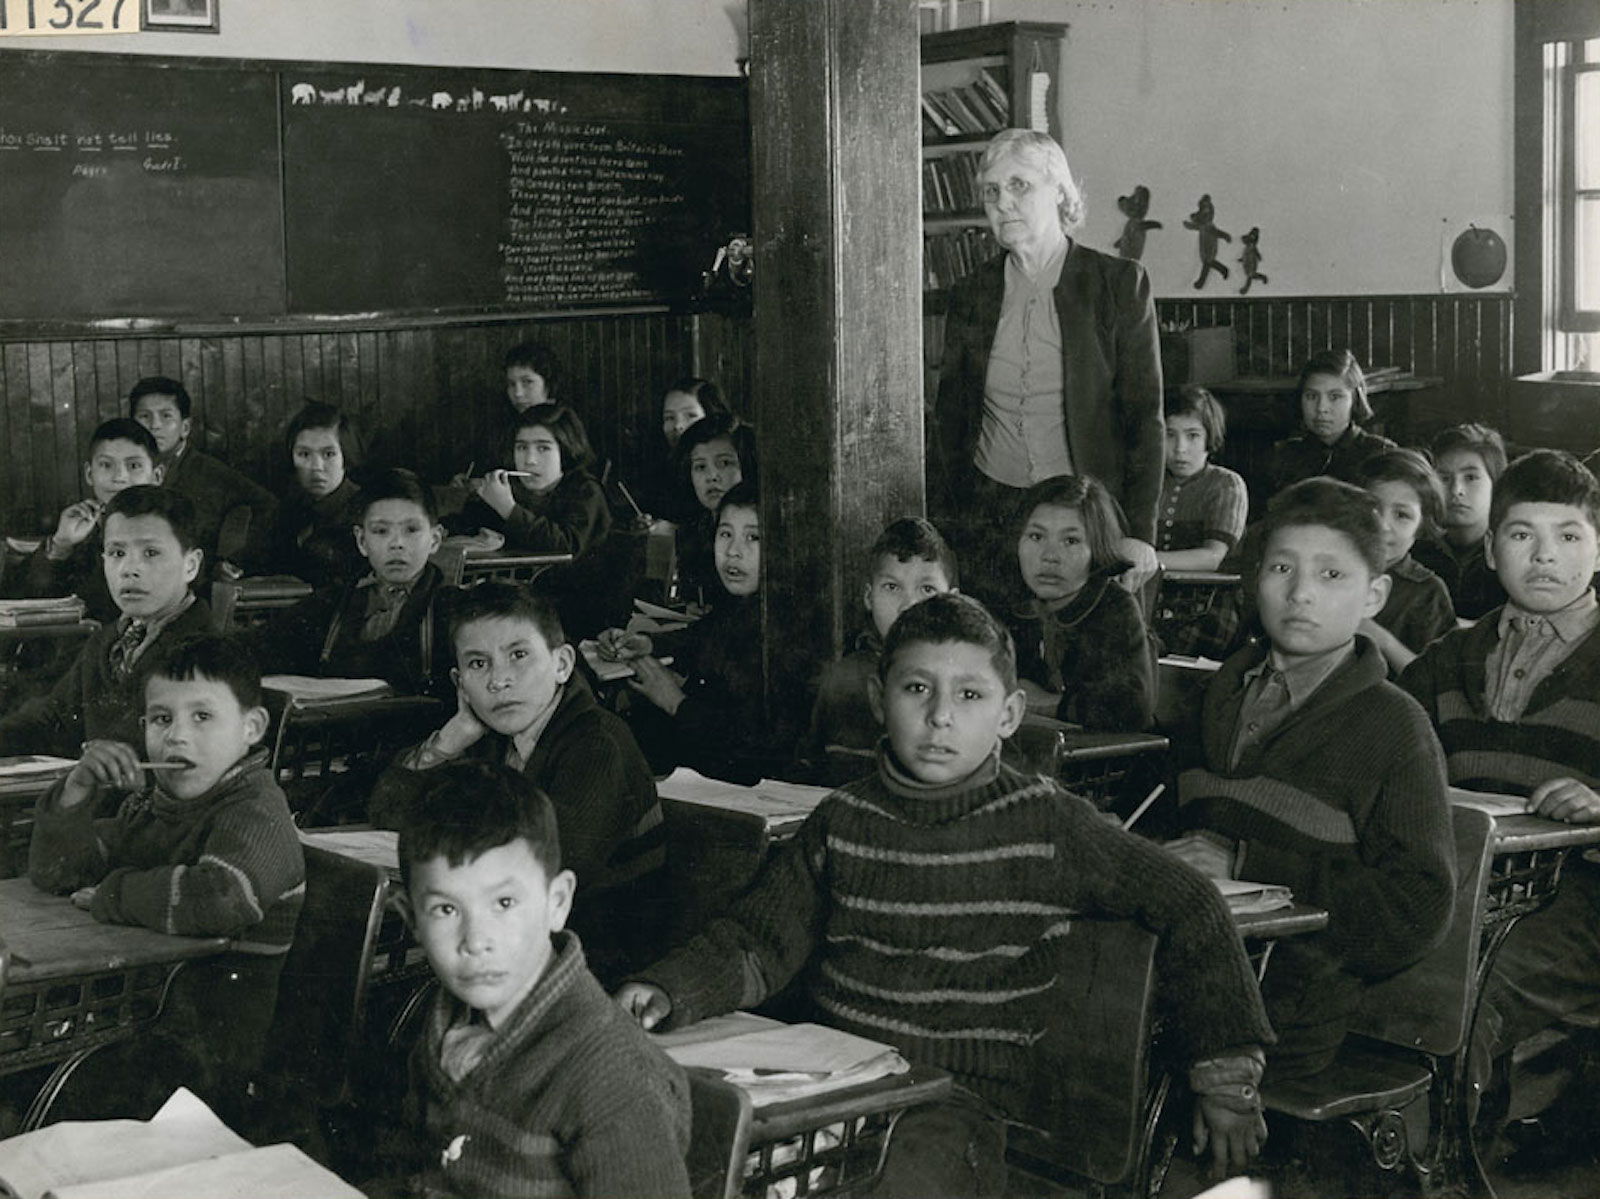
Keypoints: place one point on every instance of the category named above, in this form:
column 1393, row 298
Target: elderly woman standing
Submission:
column 1051, row 362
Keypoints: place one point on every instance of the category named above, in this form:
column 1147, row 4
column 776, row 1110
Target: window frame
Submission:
column 1569, row 317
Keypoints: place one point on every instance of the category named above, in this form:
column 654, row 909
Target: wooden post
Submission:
column 838, row 308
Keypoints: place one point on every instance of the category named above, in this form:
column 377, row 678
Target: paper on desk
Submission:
column 53, row 1159
column 304, row 689
column 275, row 1172
column 771, row 800
column 789, row 1061
column 375, row 846
column 604, row 670
column 664, row 615
column 1490, row 802
column 1246, row 898
column 33, row 765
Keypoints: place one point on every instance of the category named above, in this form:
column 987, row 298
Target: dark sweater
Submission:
column 86, row 703
column 322, row 636
column 1096, row 652
column 314, row 540
column 1473, row 585
column 1344, row 803
column 1418, row 610
column 721, row 727
column 1558, row 735
column 571, row 518
column 1304, row 456
column 81, row 573
column 216, row 489
column 922, row 917
column 607, row 814
column 571, row 1098
column 842, row 714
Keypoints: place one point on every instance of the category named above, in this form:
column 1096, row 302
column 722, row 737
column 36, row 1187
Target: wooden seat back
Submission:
column 719, row 1140
column 318, row 749
column 247, row 603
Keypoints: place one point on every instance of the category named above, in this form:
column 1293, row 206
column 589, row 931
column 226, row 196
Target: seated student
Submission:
column 943, row 826
column 685, row 402
column 1418, row 610
column 215, row 489
column 549, row 503
column 311, row 539
column 1516, row 701
column 150, row 561
column 122, row 454
column 714, row 455
column 205, row 848
column 517, row 703
column 1468, row 458
column 712, row 715
column 528, row 1079
column 1082, row 649
column 1318, row 773
column 909, row 561
column 1333, row 405
column 390, row 623
column 1203, row 505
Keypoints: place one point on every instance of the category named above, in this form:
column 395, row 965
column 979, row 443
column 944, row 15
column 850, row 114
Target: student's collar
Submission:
column 1302, row 676
column 154, row 624
column 906, row 785
column 167, row 806
column 372, row 580
column 528, row 738
column 170, row 459
column 1572, row 623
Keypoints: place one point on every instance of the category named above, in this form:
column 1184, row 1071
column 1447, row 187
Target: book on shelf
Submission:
column 184, row 1149
column 775, row 1062
column 949, row 257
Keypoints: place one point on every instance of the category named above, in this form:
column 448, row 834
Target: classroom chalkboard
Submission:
column 260, row 190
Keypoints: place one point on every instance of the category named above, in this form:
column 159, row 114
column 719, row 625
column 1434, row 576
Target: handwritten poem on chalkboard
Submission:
column 581, row 196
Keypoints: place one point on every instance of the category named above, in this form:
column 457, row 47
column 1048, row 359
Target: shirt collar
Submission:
column 404, row 589
column 1047, row 276
column 154, row 624
column 1571, row 623
column 529, row 737
column 1302, row 676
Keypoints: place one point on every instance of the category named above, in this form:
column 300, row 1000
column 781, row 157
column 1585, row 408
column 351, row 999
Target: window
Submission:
column 1570, row 207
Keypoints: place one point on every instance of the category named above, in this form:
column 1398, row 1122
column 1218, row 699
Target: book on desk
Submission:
column 783, row 807
column 27, row 613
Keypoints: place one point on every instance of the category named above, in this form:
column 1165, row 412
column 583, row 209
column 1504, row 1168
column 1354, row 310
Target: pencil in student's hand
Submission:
column 162, row 765
column 1145, row 806
column 519, row 474
column 628, row 495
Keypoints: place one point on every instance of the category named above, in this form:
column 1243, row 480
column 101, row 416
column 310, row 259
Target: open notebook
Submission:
column 1490, row 802
column 305, row 689
column 183, row 1150
column 774, row 1062
column 1246, row 898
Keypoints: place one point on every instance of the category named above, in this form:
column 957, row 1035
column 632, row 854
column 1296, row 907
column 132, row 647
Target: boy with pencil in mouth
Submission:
column 919, row 905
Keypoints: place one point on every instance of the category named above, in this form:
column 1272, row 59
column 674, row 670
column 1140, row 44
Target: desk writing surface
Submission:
column 780, row 806
column 378, row 847
column 1521, row 833
column 49, row 938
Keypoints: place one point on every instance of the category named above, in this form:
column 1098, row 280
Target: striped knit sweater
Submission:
column 227, row 863
column 1557, row 737
column 1345, row 803
column 569, row 1098
column 923, row 916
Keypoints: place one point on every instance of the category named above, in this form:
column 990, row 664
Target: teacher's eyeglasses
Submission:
column 1016, row 187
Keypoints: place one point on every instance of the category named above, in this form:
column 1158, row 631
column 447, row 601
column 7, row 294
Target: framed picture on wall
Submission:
column 183, row 16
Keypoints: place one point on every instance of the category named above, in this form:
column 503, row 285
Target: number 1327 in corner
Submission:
column 22, row 17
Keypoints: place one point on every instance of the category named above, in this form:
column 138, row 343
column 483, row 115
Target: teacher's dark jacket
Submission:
column 1110, row 380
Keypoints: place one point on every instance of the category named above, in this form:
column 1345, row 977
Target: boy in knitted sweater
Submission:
column 919, row 905
column 528, row 1079
column 1319, row 774
column 1516, row 700
column 202, row 844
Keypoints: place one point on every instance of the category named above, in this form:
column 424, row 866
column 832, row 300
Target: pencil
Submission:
column 519, row 474
column 1145, row 806
column 162, row 765
column 628, row 495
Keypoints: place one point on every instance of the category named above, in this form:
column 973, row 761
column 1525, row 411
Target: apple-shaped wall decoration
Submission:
column 1478, row 257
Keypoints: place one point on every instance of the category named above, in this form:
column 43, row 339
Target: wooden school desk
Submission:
column 24, row 673
column 250, row 602
column 69, row 984
column 19, row 795
column 463, row 566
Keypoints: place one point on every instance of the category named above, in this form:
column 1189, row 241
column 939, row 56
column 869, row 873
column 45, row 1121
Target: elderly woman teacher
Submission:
column 1051, row 363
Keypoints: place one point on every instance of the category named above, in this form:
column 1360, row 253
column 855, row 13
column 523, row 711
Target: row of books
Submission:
column 981, row 106
column 950, row 183
column 952, row 256
column 20, row 613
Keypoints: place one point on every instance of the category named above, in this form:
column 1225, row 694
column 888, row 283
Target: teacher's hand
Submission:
column 1141, row 556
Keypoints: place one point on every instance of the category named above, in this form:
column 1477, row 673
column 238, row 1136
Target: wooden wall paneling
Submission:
column 86, row 398
column 107, row 374
column 17, row 481
column 54, row 418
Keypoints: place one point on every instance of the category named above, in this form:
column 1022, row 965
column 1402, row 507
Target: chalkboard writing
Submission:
column 122, row 186
column 207, row 189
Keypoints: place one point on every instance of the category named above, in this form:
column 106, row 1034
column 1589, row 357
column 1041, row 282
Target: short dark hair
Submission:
column 495, row 600
column 706, row 430
column 706, row 393
column 1102, row 517
column 397, row 483
column 913, row 538
column 160, row 385
column 462, row 810
column 743, row 494
column 1546, row 477
column 952, row 617
column 1199, row 403
column 171, row 506
column 541, row 360
column 1413, row 469
column 1330, row 504
column 1474, row 438
column 314, row 414
column 565, row 425
column 1341, row 364
column 124, row 428
column 215, row 656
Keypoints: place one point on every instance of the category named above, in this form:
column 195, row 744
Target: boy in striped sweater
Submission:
column 1321, row 775
column 1516, row 700
column 201, row 845
column 920, row 904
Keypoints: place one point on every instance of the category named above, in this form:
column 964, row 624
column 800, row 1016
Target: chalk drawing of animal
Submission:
column 443, row 100
column 332, row 95
column 302, row 93
column 375, row 97
column 354, row 92
column 501, row 103
column 477, row 99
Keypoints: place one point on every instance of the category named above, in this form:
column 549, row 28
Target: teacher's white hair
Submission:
column 1043, row 153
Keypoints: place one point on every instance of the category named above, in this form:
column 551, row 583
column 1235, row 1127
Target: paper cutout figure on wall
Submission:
column 1201, row 221
column 1251, row 259
column 1135, row 207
